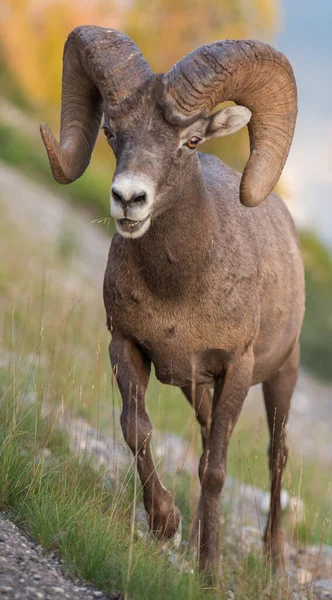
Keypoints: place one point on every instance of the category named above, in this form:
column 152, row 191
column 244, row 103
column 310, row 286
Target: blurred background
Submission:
column 52, row 254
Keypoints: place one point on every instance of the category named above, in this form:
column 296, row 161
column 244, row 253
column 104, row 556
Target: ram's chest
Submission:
column 182, row 341
column 146, row 318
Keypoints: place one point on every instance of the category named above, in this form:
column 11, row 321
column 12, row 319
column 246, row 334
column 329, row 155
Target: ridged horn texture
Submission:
column 99, row 65
column 251, row 74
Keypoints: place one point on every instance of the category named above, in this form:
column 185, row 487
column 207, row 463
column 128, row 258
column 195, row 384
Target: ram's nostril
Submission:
column 125, row 199
column 117, row 196
column 139, row 198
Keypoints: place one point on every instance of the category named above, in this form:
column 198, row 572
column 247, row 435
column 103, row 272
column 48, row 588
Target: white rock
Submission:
column 284, row 499
column 265, row 500
column 303, row 576
column 323, row 584
column 250, row 539
column 178, row 536
column 175, row 541
column 264, row 504
column 141, row 534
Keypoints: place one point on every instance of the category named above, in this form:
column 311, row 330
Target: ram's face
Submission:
column 146, row 149
column 154, row 159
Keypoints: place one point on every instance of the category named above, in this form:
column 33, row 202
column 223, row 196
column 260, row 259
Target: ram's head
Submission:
column 154, row 123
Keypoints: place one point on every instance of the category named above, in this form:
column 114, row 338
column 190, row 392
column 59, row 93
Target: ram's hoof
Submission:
column 165, row 525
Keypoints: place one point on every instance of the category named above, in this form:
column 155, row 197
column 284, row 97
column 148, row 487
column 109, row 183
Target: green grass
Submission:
column 66, row 507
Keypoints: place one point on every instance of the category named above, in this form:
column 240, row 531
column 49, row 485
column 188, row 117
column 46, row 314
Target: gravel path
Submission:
column 26, row 573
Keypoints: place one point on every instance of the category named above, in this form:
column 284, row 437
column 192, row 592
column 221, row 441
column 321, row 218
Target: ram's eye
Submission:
column 193, row 142
column 109, row 134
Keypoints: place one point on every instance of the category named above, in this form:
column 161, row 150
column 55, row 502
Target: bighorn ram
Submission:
column 207, row 288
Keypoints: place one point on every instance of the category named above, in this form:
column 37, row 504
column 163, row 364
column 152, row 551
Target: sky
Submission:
column 305, row 37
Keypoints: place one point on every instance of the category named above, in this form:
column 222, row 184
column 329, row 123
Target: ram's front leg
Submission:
column 229, row 394
column 132, row 370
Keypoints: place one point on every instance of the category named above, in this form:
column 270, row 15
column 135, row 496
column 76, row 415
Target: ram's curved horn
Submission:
column 99, row 65
column 251, row 74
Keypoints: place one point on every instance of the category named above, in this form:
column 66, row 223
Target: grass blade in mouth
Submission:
column 103, row 221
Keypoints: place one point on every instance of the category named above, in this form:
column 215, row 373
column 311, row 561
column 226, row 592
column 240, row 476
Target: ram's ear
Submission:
column 226, row 121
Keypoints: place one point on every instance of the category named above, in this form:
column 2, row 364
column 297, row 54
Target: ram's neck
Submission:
column 172, row 254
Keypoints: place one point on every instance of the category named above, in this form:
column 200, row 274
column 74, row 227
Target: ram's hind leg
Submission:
column 277, row 396
column 200, row 399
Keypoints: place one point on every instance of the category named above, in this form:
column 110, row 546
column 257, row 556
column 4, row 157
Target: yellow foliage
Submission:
column 166, row 30
column 33, row 32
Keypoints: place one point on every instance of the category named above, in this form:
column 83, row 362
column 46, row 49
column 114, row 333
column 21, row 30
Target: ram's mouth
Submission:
column 128, row 224
column 130, row 228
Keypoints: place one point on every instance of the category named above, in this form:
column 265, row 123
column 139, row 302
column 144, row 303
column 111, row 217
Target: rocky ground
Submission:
column 26, row 573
